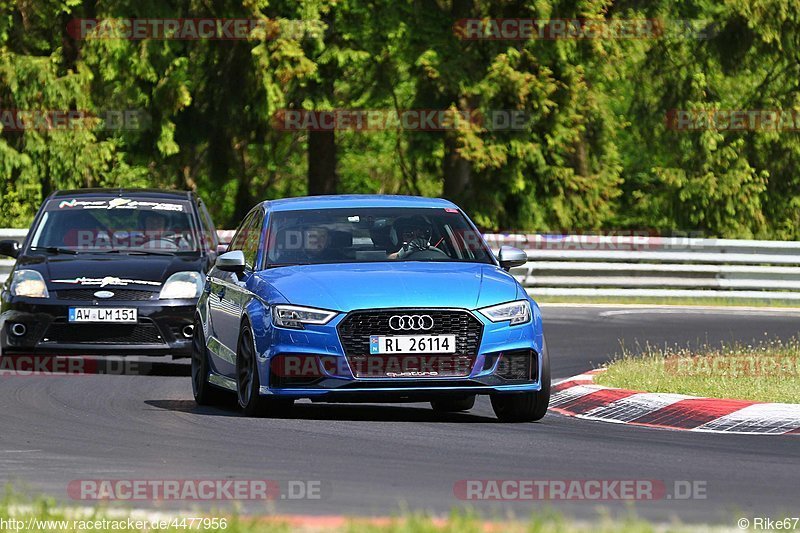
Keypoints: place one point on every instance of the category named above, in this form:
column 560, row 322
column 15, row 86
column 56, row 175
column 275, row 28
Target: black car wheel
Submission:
column 248, row 384
column 204, row 392
column 453, row 405
column 528, row 406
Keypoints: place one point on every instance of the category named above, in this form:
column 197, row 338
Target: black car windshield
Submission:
column 116, row 224
column 363, row 235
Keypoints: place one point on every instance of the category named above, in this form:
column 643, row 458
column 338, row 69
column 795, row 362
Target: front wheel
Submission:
column 204, row 392
column 528, row 406
column 248, row 384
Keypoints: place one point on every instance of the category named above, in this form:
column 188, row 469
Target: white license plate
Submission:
column 102, row 314
column 412, row 344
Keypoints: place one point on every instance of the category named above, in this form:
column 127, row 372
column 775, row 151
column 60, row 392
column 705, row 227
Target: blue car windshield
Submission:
column 364, row 235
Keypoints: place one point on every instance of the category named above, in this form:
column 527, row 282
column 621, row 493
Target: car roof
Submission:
column 149, row 193
column 355, row 200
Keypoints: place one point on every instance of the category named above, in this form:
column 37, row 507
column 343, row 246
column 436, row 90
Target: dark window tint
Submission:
column 94, row 224
column 251, row 240
column 362, row 235
column 209, row 232
column 241, row 232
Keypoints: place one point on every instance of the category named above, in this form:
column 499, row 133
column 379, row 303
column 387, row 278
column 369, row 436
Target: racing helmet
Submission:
column 406, row 229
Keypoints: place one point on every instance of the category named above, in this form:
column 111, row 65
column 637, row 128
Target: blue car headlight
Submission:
column 294, row 316
column 517, row 312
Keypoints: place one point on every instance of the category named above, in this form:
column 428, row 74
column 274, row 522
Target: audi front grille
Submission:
column 357, row 327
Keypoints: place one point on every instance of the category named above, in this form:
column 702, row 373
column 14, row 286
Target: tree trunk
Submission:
column 322, row 177
column 457, row 173
column 457, row 170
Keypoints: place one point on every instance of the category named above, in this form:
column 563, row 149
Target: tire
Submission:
column 528, row 406
column 453, row 405
column 204, row 392
column 248, row 383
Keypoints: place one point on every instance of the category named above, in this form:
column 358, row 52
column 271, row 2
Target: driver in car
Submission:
column 415, row 235
column 156, row 233
column 153, row 223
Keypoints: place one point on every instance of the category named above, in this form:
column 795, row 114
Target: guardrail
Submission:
column 635, row 266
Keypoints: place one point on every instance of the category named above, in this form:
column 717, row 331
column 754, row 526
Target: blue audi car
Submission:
column 368, row 299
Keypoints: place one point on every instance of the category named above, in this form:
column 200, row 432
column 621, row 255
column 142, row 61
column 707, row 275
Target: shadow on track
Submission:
column 341, row 412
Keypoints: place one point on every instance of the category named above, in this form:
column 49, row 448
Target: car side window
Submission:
column 251, row 239
column 209, row 235
column 237, row 242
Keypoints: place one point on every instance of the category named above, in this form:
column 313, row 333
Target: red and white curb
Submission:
column 580, row 397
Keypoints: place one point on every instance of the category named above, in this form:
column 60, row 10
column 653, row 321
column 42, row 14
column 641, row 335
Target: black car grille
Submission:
column 356, row 328
column 65, row 333
column 86, row 295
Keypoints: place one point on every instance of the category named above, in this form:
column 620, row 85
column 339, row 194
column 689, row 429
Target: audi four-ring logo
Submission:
column 411, row 322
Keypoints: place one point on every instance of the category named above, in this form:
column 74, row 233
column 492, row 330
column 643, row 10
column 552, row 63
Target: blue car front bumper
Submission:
column 324, row 362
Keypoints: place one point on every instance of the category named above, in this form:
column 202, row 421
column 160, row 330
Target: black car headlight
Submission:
column 295, row 316
column 182, row 285
column 29, row 283
column 517, row 312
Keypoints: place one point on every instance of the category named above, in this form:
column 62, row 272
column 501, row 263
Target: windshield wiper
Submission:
column 55, row 250
column 137, row 252
column 279, row 265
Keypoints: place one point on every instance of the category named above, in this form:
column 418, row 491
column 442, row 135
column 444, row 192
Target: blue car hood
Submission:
column 344, row 287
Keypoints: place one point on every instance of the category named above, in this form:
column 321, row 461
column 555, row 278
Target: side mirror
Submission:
column 231, row 262
column 511, row 257
column 10, row 248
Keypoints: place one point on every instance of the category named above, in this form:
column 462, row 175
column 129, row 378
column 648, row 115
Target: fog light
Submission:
column 517, row 365
column 18, row 329
column 188, row 331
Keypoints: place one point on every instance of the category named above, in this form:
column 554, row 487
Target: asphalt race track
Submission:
column 373, row 460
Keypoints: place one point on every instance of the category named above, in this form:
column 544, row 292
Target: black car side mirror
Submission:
column 231, row 262
column 511, row 257
column 10, row 248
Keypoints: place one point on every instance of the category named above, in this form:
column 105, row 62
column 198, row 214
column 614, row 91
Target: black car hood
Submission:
column 63, row 271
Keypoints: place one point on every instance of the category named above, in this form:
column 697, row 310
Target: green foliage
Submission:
column 594, row 153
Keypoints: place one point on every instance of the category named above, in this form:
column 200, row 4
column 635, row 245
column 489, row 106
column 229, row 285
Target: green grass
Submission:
column 459, row 521
column 642, row 300
column 766, row 372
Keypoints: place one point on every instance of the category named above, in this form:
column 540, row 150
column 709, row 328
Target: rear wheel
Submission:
column 453, row 405
column 204, row 392
column 528, row 406
column 248, row 383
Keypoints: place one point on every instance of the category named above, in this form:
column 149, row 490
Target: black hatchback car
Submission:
column 108, row 271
